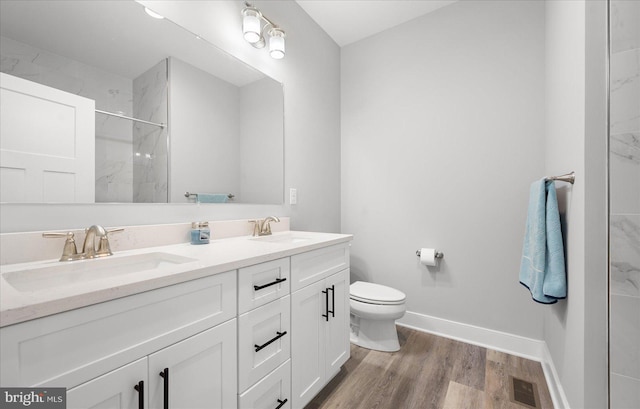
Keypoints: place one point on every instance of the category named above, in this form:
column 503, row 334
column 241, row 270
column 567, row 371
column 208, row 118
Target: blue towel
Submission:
column 542, row 268
column 212, row 198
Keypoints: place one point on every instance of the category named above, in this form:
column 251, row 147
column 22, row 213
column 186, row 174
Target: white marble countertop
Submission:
column 216, row 257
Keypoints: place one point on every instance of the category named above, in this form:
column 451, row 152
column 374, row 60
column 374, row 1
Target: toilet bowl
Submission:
column 374, row 311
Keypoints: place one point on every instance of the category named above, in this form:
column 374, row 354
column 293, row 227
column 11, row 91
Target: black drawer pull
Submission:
column 281, row 403
column 140, row 388
column 165, row 376
column 280, row 335
column 260, row 287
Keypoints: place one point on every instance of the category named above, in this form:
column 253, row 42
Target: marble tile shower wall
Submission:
column 114, row 137
column 624, row 158
column 150, row 159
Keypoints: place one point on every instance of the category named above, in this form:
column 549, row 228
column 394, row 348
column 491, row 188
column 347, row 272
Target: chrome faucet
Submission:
column 263, row 227
column 89, row 249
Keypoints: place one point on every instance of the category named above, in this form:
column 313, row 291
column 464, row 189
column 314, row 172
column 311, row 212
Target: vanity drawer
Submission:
column 262, row 283
column 264, row 341
column 68, row 348
column 271, row 391
column 312, row 266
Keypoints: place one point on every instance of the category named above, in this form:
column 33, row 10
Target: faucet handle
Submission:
column 70, row 251
column 104, row 248
column 256, row 227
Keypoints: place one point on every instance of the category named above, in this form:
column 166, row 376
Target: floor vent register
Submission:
column 524, row 393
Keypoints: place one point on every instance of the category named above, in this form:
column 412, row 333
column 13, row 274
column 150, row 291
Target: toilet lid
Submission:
column 375, row 293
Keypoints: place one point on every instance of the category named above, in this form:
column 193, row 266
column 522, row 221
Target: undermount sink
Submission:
column 284, row 238
column 75, row 272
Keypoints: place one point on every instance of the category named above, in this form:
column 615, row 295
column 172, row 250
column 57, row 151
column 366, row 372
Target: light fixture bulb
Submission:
column 251, row 25
column 153, row 13
column 276, row 43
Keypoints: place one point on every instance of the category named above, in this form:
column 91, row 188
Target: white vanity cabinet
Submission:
column 268, row 335
column 198, row 372
column 319, row 319
column 264, row 335
column 102, row 351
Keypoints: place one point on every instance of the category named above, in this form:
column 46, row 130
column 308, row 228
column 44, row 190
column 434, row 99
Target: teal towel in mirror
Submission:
column 542, row 268
column 212, row 198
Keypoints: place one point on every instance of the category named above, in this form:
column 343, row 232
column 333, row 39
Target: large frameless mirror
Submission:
column 102, row 102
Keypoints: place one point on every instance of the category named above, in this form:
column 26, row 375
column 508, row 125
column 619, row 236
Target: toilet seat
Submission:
column 371, row 293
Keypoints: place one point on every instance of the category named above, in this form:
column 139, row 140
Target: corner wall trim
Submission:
column 524, row 347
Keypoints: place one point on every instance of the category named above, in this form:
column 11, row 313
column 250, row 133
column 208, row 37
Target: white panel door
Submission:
column 200, row 372
column 47, row 144
column 337, row 328
column 307, row 343
column 114, row 390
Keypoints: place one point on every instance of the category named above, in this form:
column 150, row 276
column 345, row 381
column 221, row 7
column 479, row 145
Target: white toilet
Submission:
column 374, row 311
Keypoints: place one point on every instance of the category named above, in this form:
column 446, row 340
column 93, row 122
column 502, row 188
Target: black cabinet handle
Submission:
column 281, row 403
column 326, row 303
column 280, row 335
column 260, row 287
column 333, row 302
column 165, row 376
column 140, row 388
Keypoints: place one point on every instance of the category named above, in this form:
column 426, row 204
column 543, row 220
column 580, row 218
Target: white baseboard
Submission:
column 533, row 349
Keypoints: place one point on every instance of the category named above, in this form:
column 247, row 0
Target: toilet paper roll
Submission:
column 428, row 257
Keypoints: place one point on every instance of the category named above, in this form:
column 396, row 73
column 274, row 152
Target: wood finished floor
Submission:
column 429, row 372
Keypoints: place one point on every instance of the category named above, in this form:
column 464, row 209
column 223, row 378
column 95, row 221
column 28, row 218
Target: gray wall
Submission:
column 575, row 329
column 261, row 147
column 565, row 125
column 442, row 134
column 311, row 74
column 205, row 132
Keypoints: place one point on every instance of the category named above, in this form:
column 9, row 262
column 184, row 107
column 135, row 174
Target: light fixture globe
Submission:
column 251, row 25
column 256, row 27
column 276, row 43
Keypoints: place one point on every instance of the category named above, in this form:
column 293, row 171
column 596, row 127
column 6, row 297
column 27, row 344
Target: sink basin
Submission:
column 82, row 271
column 284, row 238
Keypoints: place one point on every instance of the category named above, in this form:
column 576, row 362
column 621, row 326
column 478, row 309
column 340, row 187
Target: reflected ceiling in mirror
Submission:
column 224, row 120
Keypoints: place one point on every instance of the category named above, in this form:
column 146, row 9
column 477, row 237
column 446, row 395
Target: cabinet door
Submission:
column 308, row 343
column 113, row 390
column 201, row 370
column 337, row 328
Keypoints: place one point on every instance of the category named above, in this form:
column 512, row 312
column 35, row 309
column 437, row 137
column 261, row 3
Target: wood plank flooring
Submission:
column 429, row 372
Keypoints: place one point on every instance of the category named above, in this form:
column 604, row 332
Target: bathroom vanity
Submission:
column 240, row 323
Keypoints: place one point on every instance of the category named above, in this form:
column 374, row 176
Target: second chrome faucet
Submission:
column 263, row 227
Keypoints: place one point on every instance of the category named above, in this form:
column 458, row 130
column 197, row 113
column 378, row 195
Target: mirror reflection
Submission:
column 103, row 103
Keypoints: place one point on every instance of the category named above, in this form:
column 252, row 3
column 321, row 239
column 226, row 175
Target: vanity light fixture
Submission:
column 255, row 32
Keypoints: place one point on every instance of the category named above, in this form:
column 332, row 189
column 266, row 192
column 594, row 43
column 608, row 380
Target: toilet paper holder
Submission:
column 439, row 254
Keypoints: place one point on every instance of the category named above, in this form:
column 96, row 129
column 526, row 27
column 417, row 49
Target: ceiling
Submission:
column 348, row 21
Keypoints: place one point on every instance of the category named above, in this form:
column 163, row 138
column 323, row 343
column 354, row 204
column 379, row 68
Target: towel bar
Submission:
column 187, row 194
column 569, row 178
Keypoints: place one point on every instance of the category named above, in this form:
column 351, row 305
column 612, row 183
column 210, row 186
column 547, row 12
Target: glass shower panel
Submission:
column 624, row 203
